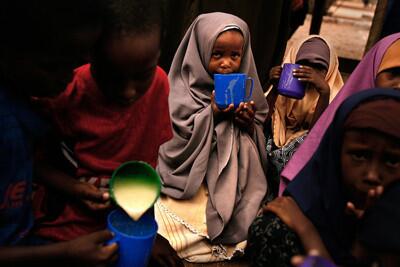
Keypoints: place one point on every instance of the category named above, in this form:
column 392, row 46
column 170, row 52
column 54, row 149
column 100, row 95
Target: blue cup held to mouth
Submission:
column 232, row 89
column 135, row 238
column 289, row 85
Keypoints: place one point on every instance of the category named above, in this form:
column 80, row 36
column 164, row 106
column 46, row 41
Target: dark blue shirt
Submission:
column 19, row 126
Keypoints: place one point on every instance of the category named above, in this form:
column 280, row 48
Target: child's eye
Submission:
column 235, row 56
column 216, row 54
column 358, row 155
column 392, row 161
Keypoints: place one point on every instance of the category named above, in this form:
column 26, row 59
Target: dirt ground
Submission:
column 346, row 26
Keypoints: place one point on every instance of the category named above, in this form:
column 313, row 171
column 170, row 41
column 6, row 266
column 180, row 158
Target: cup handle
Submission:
column 251, row 88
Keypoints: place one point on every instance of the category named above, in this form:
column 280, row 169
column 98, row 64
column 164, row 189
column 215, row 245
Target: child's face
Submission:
column 227, row 52
column 389, row 78
column 368, row 159
column 124, row 67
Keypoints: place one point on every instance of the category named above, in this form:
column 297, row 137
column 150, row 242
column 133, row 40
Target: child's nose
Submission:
column 373, row 176
column 226, row 62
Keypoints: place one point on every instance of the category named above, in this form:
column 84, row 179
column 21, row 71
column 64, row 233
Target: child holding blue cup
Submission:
column 213, row 168
column 299, row 93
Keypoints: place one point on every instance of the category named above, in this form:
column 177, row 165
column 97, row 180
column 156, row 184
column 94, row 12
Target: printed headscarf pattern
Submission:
column 317, row 188
column 290, row 114
column 363, row 77
column 228, row 160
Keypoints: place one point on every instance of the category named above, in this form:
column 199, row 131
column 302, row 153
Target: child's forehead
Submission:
column 364, row 136
column 229, row 38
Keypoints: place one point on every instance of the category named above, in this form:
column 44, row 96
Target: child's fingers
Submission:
column 239, row 108
column 297, row 260
column 271, row 206
column 96, row 206
column 94, row 195
column 229, row 108
column 250, row 112
column 305, row 68
column 373, row 195
column 302, row 74
column 352, row 210
column 88, row 191
column 102, row 236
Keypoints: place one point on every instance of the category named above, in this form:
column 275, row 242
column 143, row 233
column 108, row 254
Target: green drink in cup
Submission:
column 135, row 186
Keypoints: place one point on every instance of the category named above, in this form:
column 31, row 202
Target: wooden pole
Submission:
column 318, row 14
column 377, row 23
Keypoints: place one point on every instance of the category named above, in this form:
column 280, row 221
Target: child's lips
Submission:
column 225, row 71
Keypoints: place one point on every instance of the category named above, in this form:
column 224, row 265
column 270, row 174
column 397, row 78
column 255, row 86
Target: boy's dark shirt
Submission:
column 19, row 126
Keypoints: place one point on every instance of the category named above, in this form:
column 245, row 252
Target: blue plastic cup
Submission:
column 289, row 85
column 231, row 89
column 135, row 238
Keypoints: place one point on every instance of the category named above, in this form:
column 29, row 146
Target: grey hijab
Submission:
column 229, row 161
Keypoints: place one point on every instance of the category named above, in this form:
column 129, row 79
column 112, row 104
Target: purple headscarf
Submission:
column 363, row 77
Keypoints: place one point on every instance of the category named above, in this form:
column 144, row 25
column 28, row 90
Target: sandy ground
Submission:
column 346, row 26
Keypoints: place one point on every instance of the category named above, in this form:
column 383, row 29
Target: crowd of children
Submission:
column 81, row 92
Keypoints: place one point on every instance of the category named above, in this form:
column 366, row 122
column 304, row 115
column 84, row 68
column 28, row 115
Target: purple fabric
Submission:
column 363, row 77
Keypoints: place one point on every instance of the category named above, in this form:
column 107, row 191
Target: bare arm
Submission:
column 84, row 251
column 58, row 180
column 288, row 211
column 322, row 104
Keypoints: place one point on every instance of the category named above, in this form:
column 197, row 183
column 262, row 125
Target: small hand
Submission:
column 310, row 75
column 275, row 74
column 163, row 255
column 90, row 250
column 244, row 116
column 216, row 111
column 91, row 196
column 372, row 196
column 298, row 260
column 288, row 211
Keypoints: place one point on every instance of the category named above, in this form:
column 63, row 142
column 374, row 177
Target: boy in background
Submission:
column 115, row 110
column 40, row 44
